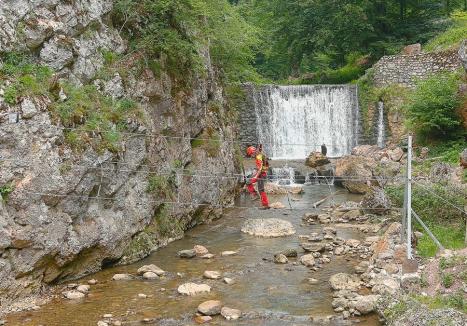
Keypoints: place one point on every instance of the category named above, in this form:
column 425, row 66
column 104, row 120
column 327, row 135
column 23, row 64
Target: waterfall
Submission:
column 380, row 141
column 292, row 121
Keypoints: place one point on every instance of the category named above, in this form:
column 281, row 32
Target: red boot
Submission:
column 264, row 200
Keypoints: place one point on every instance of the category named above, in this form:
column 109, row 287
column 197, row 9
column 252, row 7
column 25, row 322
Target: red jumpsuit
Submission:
column 260, row 166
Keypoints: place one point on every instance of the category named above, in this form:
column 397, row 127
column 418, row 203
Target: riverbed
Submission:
column 266, row 293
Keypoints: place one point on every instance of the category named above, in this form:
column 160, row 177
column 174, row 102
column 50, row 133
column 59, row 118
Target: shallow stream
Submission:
column 267, row 293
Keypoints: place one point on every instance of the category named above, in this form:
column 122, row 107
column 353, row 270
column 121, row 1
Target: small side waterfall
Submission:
column 292, row 121
column 381, row 139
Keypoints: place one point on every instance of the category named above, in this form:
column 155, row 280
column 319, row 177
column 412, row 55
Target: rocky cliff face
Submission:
column 70, row 212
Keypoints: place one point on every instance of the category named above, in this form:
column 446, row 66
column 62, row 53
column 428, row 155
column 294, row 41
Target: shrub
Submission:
column 5, row 190
column 447, row 279
column 161, row 185
column 432, row 107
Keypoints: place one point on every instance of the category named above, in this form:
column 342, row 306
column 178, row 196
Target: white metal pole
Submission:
column 409, row 198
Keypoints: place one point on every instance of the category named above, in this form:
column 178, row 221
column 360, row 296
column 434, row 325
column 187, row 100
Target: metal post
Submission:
column 404, row 214
column 409, row 198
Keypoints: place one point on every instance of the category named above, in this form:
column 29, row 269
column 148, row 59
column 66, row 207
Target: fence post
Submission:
column 409, row 198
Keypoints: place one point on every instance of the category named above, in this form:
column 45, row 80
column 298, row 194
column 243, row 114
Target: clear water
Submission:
column 275, row 295
column 292, row 121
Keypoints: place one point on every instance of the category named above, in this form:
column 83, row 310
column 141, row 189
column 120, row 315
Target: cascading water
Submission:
column 380, row 141
column 292, row 121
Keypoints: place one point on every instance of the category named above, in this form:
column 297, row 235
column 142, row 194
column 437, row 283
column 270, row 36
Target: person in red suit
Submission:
column 259, row 176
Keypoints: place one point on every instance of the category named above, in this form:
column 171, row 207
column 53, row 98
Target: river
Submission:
column 267, row 293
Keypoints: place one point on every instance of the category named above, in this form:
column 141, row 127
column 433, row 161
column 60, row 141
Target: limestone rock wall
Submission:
column 407, row 69
column 71, row 213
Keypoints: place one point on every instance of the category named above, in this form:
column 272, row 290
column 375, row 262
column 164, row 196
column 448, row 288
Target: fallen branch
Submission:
column 319, row 202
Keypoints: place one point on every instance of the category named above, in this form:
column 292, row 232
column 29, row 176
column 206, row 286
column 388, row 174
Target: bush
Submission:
column 5, row 190
column 432, row 107
column 447, row 279
column 161, row 185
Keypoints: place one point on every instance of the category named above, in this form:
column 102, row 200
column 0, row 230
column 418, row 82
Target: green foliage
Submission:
column 432, row 107
column 176, row 32
column 446, row 222
column 396, row 310
column 448, row 150
column 5, row 190
column 453, row 36
column 167, row 225
column 447, row 279
column 455, row 301
column 161, row 185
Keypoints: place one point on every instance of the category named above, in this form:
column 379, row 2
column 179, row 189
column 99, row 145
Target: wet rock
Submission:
column 74, row 295
column 142, row 296
column 289, row 253
column 280, row 259
column 188, row 253
column 207, row 256
column 83, row 288
column 102, row 323
column 122, row 277
column 315, row 237
column 150, row 276
column 212, row 275
column 339, row 251
column 352, row 215
column 230, row 314
column 328, row 236
column 329, row 230
column 324, row 218
column 395, row 154
column 365, row 304
column 362, row 267
column 229, row 281
column 376, row 201
column 210, row 308
column 343, row 281
column 228, row 253
column 203, row 319
column 313, row 247
column 271, row 227
column 316, row 159
column 193, row 289
column 313, row 281
column 352, row 243
column 310, row 217
column 92, row 282
column 277, row 205
column 107, row 316
column 151, row 268
column 307, row 260
column 200, row 250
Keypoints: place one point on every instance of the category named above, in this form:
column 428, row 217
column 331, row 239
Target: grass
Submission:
column 455, row 301
column 5, row 190
column 161, row 185
column 453, row 36
column 447, row 279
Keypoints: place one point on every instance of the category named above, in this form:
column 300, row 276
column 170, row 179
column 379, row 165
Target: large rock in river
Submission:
column 355, row 173
column 268, row 227
column 316, row 159
column 376, row 201
column 343, row 281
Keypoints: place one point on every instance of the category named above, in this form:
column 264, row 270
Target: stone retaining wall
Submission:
column 407, row 69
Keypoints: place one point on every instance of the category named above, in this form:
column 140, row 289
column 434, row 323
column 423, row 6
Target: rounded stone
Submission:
column 210, row 307
column 150, row 276
column 269, row 228
column 213, row 275
column 193, row 289
column 230, row 314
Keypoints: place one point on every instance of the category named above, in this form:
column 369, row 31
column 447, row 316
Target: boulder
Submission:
column 307, row 260
column 28, row 109
column 385, row 285
column 316, row 159
column 270, row 227
column 193, row 289
column 275, row 189
column 213, row 275
column 150, row 276
column 229, row 281
column 203, row 319
column 362, row 267
column 150, row 268
column 365, row 303
column 376, row 201
column 230, row 314
column 352, row 243
column 313, row 247
column 395, row 154
column 355, row 173
column 210, row 307
column 343, row 281
column 83, row 288
column 280, row 259
column 200, row 250
column 289, row 252
column 74, row 295
column 189, row 253
column 122, row 277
